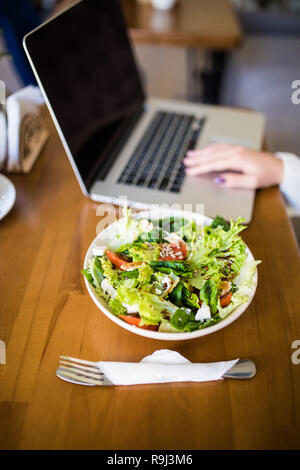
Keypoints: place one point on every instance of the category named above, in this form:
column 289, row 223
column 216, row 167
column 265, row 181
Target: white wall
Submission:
column 166, row 69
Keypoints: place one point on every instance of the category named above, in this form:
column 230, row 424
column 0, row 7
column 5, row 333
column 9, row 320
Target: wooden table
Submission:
column 46, row 311
column 191, row 23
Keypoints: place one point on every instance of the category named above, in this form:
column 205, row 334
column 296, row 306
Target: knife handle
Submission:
column 244, row 369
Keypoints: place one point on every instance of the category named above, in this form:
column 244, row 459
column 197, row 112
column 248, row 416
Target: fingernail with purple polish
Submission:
column 220, row 180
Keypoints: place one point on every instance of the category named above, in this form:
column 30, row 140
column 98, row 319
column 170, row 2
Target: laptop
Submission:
column 121, row 143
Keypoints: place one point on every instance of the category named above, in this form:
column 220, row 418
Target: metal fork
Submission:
column 83, row 372
column 79, row 371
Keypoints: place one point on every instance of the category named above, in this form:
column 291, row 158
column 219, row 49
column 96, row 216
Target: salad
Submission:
column 171, row 275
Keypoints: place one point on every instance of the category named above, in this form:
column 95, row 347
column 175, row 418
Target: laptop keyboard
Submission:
column 157, row 161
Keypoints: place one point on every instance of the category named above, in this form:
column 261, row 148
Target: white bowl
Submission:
column 104, row 307
column 7, row 196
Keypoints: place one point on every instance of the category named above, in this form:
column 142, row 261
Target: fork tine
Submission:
column 80, row 378
column 81, row 372
column 86, row 368
column 80, row 361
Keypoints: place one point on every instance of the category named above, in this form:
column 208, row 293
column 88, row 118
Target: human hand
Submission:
column 255, row 169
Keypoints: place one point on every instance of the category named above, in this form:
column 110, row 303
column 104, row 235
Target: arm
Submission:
column 290, row 183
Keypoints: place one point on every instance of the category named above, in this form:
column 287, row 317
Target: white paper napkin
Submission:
column 19, row 105
column 3, row 138
column 163, row 366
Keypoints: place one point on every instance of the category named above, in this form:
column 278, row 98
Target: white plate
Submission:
column 7, row 196
column 104, row 307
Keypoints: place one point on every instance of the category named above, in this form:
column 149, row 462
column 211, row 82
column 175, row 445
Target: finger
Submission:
column 206, row 158
column 237, row 181
column 209, row 150
column 219, row 164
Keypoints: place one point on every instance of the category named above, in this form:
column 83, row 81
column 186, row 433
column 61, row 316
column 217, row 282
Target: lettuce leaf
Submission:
column 217, row 253
column 246, row 274
column 96, row 270
column 139, row 251
column 88, row 276
column 127, row 231
column 117, row 307
column 152, row 308
column 243, row 284
column 188, row 232
column 109, row 271
column 145, row 274
column 236, row 301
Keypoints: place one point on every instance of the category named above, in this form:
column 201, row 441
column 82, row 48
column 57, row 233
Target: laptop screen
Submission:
column 84, row 62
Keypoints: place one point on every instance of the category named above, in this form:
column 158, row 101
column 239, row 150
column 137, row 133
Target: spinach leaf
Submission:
column 97, row 271
column 129, row 274
column 209, row 294
column 190, row 299
column 208, row 322
column 176, row 295
column 218, row 220
column 156, row 235
column 179, row 319
column 180, row 268
column 170, row 224
column 192, row 326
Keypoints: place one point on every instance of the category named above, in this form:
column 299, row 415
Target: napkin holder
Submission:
column 23, row 132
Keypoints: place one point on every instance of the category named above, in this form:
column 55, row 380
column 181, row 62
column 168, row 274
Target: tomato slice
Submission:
column 179, row 252
column 225, row 299
column 119, row 262
column 136, row 322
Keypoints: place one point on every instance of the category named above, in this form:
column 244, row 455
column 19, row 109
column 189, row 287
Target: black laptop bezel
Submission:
column 130, row 117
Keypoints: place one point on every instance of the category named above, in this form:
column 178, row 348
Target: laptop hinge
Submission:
column 114, row 148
